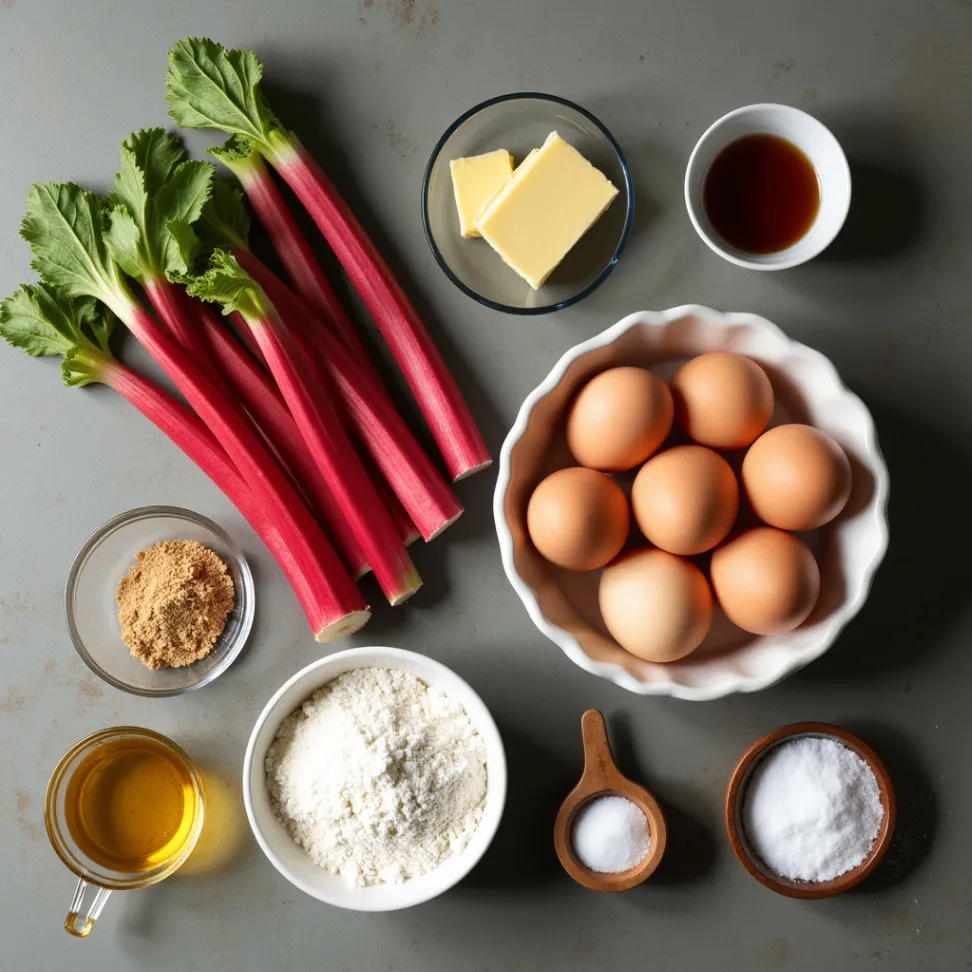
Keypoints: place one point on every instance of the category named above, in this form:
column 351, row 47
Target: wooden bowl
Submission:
column 735, row 794
column 601, row 777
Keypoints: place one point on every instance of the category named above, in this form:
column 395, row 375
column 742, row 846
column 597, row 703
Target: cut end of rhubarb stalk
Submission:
column 469, row 472
column 344, row 628
column 445, row 526
column 410, row 584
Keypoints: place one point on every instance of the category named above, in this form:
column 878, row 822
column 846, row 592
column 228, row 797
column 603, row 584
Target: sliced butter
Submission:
column 538, row 216
column 476, row 179
column 517, row 172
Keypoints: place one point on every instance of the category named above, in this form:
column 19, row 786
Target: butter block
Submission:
column 554, row 197
column 516, row 172
column 474, row 180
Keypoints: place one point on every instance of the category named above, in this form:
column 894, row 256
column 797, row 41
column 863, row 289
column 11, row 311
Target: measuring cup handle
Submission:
column 80, row 921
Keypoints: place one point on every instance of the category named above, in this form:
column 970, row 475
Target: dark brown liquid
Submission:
column 761, row 194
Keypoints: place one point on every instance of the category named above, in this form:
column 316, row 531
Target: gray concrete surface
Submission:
column 370, row 86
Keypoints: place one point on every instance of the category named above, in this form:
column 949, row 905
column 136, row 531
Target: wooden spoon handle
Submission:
column 599, row 770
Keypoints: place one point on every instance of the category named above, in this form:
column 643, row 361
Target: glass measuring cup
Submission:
column 97, row 880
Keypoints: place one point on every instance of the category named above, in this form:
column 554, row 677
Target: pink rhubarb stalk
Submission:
column 185, row 429
column 333, row 605
column 434, row 388
column 64, row 226
column 426, row 496
column 297, row 257
column 210, row 86
column 320, row 426
column 202, row 334
column 407, row 530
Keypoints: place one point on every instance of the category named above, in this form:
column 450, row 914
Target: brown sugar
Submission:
column 174, row 603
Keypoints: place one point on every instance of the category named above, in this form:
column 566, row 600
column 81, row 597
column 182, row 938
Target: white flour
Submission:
column 378, row 776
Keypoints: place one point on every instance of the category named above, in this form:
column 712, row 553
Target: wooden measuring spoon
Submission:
column 602, row 778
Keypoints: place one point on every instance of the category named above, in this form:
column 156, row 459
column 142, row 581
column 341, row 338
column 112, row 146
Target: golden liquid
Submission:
column 130, row 805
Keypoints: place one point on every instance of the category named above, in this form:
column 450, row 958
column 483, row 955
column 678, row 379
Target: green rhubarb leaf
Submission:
column 155, row 154
column 24, row 324
column 225, row 221
column 183, row 248
column 210, row 86
column 226, row 283
column 155, row 190
column 234, row 152
column 148, row 158
column 42, row 321
column 123, row 238
column 178, row 204
column 80, row 367
column 64, row 226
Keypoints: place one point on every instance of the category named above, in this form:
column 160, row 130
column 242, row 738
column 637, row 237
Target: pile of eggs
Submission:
column 656, row 603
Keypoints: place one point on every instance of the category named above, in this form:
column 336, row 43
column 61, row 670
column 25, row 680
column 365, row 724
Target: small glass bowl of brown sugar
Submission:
column 91, row 599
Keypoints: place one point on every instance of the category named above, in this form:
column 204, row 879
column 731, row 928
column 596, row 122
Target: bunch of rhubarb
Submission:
column 282, row 408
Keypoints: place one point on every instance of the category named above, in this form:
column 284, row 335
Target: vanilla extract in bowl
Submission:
column 761, row 194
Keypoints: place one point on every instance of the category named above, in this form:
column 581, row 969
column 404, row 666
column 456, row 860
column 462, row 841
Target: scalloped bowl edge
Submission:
column 732, row 683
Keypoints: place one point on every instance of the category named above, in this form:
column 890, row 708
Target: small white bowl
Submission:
column 814, row 139
column 563, row 604
column 291, row 860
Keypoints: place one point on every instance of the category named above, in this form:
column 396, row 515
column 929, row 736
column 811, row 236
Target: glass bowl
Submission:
column 519, row 123
column 92, row 612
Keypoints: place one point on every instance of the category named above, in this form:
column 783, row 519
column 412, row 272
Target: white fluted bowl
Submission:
column 563, row 604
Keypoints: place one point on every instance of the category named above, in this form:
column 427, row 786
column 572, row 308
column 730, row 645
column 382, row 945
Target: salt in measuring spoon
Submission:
column 602, row 778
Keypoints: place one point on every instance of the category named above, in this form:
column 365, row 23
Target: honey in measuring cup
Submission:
column 130, row 804
column 124, row 810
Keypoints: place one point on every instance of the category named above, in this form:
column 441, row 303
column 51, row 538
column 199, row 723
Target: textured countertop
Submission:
column 370, row 86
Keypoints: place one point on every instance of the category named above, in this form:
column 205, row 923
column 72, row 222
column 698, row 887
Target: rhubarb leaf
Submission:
column 154, row 153
column 210, row 86
column 42, row 321
column 123, row 237
column 148, row 158
column 156, row 197
column 225, row 221
column 225, row 282
column 82, row 367
column 64, row 226
column 235, row 151
column 183, row 248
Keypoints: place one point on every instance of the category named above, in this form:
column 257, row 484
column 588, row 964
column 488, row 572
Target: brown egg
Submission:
column 765, row 580
column 796, row 477
column 656, row 605
column 578, row 518
column 722, row 400
column 685, row 499
column 619, row 418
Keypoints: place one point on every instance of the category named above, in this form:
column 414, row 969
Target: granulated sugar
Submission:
column 610, row 835
column 812, row 809
column 378, row 776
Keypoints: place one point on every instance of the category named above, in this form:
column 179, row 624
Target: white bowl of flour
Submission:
column 374, row 779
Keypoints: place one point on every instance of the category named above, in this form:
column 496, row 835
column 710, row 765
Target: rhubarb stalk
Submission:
column 156, row 197
column 323, row 432
column 64, row 227
column 426, row 496
column 208, row 86
column 291, row 246
column 41, row 321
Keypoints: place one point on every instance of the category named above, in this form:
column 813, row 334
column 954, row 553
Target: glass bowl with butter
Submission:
column 527, row 203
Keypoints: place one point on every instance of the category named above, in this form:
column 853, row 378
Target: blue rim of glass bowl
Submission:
column 625, row 233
